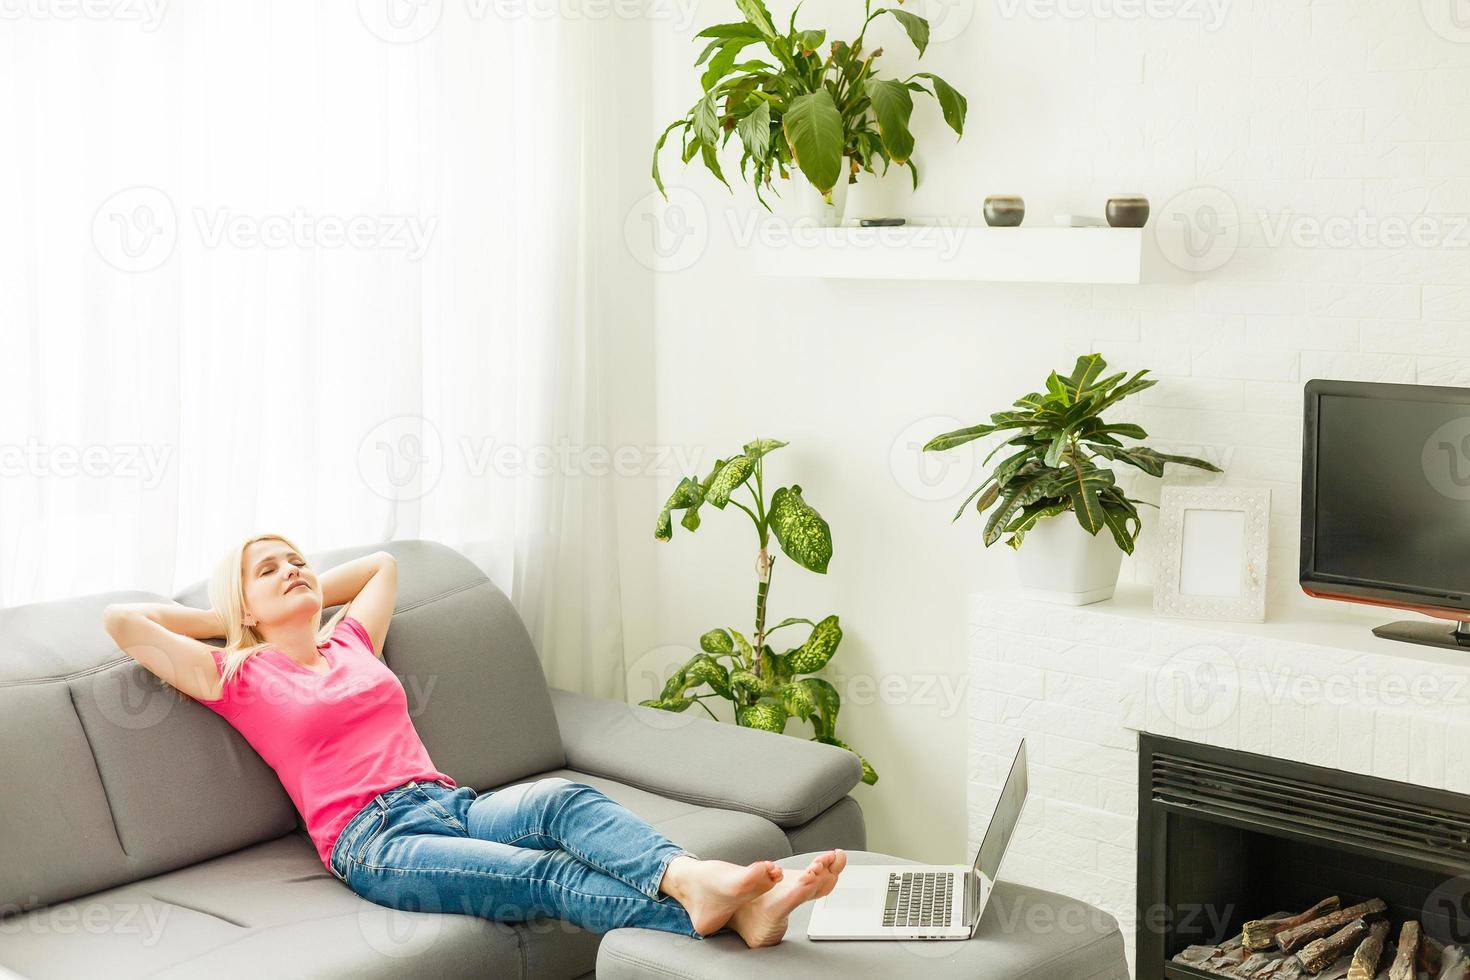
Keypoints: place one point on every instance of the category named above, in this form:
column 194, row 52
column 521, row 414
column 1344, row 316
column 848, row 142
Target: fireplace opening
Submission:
column 1229, row 838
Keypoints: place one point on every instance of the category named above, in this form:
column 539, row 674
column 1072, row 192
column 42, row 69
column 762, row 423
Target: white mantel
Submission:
column 1312, row 685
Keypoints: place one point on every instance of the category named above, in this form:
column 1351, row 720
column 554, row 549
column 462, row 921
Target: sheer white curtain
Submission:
column 322, row 268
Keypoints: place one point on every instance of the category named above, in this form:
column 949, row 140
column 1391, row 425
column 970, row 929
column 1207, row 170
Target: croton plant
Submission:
column 766, row 688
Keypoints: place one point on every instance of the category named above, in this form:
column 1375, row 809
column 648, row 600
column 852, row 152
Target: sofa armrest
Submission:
column 784, row 779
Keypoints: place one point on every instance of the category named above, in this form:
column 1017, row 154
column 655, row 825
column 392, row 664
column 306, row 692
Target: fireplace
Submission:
column 1228, row 837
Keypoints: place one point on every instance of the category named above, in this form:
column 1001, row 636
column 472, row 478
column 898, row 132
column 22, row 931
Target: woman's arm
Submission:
column 370, row 585
column 200, row 624
column 165, row 639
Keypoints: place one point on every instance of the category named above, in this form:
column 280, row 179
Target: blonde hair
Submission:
column 227, row 598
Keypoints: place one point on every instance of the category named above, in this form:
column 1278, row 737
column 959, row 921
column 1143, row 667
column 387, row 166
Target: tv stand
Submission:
column 1454, row 636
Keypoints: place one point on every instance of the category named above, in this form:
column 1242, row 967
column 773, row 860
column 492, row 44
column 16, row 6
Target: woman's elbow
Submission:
column 116, row 616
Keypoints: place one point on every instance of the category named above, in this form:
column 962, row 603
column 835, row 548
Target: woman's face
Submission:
column 279, row 586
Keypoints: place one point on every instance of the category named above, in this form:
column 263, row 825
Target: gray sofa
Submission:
column 142, row 836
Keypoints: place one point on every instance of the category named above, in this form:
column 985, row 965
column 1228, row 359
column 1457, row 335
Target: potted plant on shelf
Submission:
column 1056, row 438
column 765, row 687
column 828, row 113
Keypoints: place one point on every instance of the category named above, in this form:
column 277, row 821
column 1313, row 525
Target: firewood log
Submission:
column 1431, row 954
column 1293, row 939
column 1453, row 964
column 1290, row 969
column 1319, row 954
column 1370, row 951
column 1255, row 965
column 1261, row 933
column 1403, row 964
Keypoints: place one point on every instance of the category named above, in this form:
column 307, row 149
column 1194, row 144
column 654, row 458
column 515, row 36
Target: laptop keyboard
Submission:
column 918, row 898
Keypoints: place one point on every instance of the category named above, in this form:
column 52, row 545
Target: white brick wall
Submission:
column 1304, row 114
column 1078, row 684
column 1347, row 114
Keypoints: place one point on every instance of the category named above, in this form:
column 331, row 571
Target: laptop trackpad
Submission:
column 855, row 898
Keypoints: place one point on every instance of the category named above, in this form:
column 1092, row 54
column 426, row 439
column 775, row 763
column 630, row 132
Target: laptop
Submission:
column 916, row 901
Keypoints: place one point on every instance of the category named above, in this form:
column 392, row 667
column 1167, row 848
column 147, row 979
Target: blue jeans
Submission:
column 547, row 848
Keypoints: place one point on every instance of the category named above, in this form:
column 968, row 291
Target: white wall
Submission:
column 1346, row 115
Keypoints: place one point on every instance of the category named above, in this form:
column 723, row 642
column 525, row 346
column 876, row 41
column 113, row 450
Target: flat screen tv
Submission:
column 1386, row 502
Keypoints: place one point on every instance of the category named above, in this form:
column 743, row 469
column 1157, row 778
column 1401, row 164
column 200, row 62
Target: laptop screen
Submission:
column 1003, row 821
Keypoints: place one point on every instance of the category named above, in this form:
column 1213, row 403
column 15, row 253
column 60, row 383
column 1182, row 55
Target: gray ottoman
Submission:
column 1026, row 934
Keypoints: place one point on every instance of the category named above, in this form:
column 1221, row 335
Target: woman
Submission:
column 323, row 710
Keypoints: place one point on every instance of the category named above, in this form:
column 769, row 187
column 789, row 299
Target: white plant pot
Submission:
column 1060, row 562
column 877, row 195
column 811, row 202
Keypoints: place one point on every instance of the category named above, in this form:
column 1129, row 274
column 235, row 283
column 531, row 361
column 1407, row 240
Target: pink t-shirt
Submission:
column 336, row 740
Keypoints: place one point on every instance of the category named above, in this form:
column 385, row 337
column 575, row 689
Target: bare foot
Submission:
column 762, row 921
column 838, row 862
column 711, row 891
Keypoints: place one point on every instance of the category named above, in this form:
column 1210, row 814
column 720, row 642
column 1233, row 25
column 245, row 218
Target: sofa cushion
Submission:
column 268, row 910
column 841, row 825
column 272, row 909
column 786, row 780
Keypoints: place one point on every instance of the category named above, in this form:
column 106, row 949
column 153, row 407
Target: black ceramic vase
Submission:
column 1127, row 212
column 1004, row 212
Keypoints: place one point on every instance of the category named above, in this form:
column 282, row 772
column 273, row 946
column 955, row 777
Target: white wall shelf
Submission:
column 975, row 254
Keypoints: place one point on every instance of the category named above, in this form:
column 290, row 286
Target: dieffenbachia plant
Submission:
column 1056, row 438
column 789, row 102
column 765, row 687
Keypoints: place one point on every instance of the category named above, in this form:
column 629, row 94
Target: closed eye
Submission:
column 267, row 569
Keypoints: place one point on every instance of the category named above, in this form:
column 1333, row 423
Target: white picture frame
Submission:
column 1213, row 552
